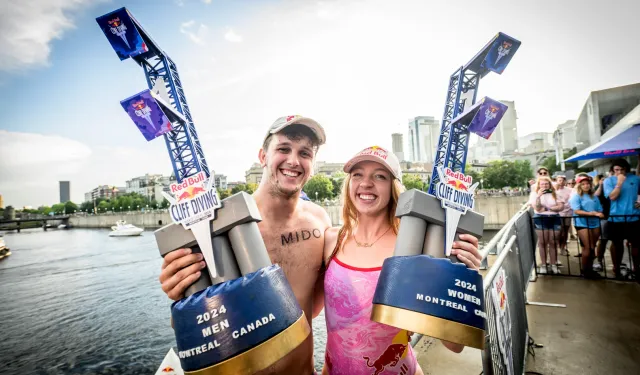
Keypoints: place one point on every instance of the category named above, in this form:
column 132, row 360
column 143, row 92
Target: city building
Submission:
column 150, row 186
column 103, row 191
column 397, row 145
column 605, row 114
column 535, row 142
column 328, row 169
column 424, row 132
column 484, row 151
column 254, row 174
column 565, row 135
column 221, row 181
column 420, row 169
column 65, row 191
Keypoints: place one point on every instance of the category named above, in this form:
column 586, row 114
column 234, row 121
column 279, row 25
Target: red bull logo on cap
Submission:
column 375, row 151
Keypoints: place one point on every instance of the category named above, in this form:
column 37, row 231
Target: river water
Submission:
column 80, row 302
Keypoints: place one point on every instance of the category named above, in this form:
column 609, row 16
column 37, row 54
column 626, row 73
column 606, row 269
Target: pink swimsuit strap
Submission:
column 356, row 345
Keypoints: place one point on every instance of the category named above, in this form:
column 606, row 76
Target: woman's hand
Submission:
column 600, row 215
column 466, row 250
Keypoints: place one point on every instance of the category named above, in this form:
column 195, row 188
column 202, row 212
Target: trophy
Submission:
column 422, row 288
column 241, row 315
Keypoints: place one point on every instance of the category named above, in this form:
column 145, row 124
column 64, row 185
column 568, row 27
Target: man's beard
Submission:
column 275, row 190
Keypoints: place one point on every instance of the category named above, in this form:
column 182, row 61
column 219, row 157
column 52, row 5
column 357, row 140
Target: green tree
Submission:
column 44, row 210
column 337, row 179
column 70, row 207
column 224, row 193
column 86, row 206
column 248, row 188
column 412, row 181
column 502, row 173
column 58, row 208
column 104, row 206
column 165, row 203
column 321, row 185
column 476, row 176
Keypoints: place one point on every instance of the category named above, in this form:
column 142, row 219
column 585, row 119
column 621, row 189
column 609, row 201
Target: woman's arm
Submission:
column 330, row 240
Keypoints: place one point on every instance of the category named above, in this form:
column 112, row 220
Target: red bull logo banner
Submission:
column 120, row 30
column 194, row 204
column 502, row 50
column 503, row 318
column 486, row 120
column 146, row 113
column 456, row 193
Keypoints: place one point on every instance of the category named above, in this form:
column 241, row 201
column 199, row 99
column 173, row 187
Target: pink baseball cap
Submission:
column 284, row 121
column 378, row 155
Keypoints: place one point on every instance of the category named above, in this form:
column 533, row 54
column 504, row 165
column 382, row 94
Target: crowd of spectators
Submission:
column 604, row 210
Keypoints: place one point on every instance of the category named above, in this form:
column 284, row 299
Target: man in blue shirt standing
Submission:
column 622, row 190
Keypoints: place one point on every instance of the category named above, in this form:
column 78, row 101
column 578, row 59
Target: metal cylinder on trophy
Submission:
column 423, row 288
column 241, row 315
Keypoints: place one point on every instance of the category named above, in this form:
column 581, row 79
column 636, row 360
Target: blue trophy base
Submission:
column 431, row 296
column 240, row 326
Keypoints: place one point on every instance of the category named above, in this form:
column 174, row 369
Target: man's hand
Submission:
column 466, row 249
column 180, row 269
column 621, row 178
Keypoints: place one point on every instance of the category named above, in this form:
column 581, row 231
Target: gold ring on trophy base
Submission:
column 261, row 356
column 429, row 325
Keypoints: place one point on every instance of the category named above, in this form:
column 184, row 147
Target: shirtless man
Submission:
column 286, row 157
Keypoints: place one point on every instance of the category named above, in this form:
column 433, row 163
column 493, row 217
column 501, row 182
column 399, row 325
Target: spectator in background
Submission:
column 585, row 204
column 622, row 190
column 564, row 192
column 546, row 220
column 542, row 171
column 598, row 264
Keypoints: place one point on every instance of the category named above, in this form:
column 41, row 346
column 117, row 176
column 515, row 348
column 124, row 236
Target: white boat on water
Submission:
column 122, row 229
column 4, row 250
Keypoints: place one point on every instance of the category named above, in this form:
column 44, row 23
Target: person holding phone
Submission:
column 546, row 205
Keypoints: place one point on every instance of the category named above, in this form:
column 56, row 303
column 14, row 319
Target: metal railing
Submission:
column 507, row 334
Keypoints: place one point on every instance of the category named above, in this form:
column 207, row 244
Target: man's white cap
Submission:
column 379, row 155
column 285, row 121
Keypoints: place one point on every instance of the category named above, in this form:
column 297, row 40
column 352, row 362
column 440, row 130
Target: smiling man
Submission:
column 292, row 228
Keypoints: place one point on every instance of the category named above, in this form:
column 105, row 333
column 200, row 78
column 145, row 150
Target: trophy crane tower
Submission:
column 130, row 40
column 461, row 94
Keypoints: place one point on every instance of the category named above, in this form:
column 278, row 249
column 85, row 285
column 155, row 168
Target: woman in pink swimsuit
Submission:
column 354, row 253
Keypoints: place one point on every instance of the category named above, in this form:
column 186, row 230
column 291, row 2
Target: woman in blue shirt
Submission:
column 589, row 211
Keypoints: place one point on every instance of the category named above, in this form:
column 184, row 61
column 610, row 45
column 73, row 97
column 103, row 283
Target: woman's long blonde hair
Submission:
column 553, row 189
column 350, row 214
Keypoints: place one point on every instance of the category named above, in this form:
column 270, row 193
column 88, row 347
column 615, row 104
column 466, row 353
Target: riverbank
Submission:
column 496, row 210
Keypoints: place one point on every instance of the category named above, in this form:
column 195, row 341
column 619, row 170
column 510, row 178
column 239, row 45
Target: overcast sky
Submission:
column 360, row 68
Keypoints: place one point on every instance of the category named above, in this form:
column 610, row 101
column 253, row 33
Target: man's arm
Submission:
column 330, row 238
column 615, row 184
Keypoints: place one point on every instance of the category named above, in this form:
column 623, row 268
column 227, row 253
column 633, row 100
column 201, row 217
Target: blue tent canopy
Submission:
column 620, row 145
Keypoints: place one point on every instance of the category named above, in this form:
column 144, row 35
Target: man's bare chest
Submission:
column 296, row 246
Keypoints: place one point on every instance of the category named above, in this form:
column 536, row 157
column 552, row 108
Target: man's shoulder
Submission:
column 315, row 211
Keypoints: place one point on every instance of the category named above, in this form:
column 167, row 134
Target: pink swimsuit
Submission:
column 356, row 345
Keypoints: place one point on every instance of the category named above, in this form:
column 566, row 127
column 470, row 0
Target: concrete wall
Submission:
column 497, row 211
column 142, row 220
